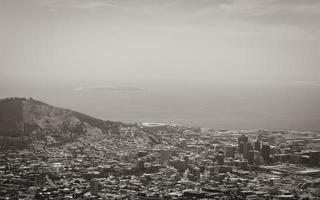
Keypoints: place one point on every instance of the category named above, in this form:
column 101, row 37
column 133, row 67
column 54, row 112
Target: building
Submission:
column 257, row 158
column 164, row 156
column 243, row 146
column 229, row 151
column 265, row 152
column 153, row 126
column 250, row 147
column 257, row 145
column 140, row 164
column 220, row 158
column 245, row 150
column 251, row 157
column 94, row 186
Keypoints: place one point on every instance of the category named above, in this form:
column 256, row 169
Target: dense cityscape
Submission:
column 177, row 163
column 159, row 99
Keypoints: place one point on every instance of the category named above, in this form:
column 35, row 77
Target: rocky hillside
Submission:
column 26, row 120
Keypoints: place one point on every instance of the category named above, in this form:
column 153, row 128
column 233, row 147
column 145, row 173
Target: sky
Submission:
column 138, row 43
column 274, row 40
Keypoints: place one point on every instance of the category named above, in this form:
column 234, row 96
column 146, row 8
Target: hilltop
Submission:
column 25, row 121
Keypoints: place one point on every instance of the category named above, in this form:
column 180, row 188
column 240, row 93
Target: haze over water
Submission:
column 254, row 105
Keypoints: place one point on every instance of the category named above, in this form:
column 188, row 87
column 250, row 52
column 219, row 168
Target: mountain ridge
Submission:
column 36, row 120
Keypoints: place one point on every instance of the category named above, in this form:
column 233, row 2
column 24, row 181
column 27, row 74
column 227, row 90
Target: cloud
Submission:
column 82, row 4
column 272, row 19
column 147, row 6
column 304, row 14
column 109, row 88
column 288, row 12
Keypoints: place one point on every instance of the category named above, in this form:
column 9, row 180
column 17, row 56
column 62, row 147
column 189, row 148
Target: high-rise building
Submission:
column 242, row 144
column 220, row 158
column 250, row 147
column 257, row 145
column 265, row 152
column 229, row 151
column 245, row 150
column 251, row 157
column 257, row 158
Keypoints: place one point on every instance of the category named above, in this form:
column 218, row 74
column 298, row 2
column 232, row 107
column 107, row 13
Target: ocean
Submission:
column 247, row 105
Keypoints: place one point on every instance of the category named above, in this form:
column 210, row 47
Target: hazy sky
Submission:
column 233, row 40
column 223, row 63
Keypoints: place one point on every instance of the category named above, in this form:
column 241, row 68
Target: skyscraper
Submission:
column 243, row 146
column 265, row 151
column 245, row 150
column 251, row 157
column 229, row 151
